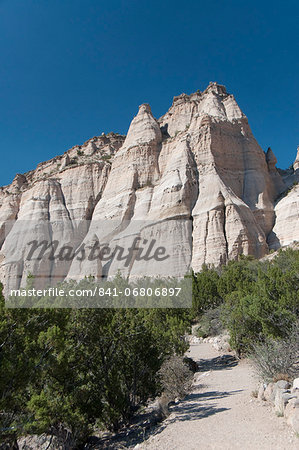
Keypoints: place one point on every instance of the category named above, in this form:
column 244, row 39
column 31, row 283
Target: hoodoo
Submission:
column 196, row 175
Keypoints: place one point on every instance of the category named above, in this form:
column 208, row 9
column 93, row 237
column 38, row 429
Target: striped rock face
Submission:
column 195, row 181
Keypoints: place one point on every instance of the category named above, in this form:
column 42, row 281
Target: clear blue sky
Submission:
column 71, row 69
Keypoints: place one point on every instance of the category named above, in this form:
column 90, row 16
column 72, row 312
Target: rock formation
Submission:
column 296, row 163
column 286, row 228
column 195, row 179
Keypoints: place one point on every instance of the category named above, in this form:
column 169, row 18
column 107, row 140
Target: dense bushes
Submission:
column 258, row 300
column 205, row 290
column 74, row 369
column 266, row 305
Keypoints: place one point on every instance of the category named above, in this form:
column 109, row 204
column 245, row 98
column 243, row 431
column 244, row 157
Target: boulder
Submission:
column 293, row 419
column 296, row 383
column 279, row 402
column 283, row 384
column 268, row 394
column 290, row 406
column 281, row 399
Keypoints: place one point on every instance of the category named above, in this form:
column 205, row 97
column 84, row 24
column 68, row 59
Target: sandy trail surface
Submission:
column 220, row 412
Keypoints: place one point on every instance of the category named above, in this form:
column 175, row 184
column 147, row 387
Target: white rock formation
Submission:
column 286, row 228
column 296, row 162
column 195, row 181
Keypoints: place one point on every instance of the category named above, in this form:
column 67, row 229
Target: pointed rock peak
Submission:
column 220, row 104
column 296, row 162
column 270, row 157
column 145, row 107
column 271, row 160
column 144, row 129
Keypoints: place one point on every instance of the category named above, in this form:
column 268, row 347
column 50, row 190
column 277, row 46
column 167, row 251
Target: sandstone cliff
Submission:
column 196, row 178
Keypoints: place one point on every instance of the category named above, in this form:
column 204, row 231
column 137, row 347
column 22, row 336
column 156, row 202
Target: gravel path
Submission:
column 220, row 412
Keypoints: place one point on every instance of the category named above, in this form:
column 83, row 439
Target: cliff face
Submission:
column 196, row 176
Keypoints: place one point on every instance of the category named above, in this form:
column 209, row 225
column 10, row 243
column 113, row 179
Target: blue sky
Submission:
column 71, row 69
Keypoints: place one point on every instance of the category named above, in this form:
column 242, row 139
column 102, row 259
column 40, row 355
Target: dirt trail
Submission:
column 220, row 413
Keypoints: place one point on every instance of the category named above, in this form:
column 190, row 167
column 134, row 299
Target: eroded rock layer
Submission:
column 195, row 178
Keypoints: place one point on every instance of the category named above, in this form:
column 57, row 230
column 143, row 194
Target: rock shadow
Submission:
column 222, row 362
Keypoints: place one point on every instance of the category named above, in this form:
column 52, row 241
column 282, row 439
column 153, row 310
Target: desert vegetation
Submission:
column 67, row 371
column 258, row 303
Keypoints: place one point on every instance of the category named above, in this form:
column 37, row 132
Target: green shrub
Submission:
column 205, row 291
column 210, row 323
column 262, row 300
column 258, row 300
column 65, row 370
